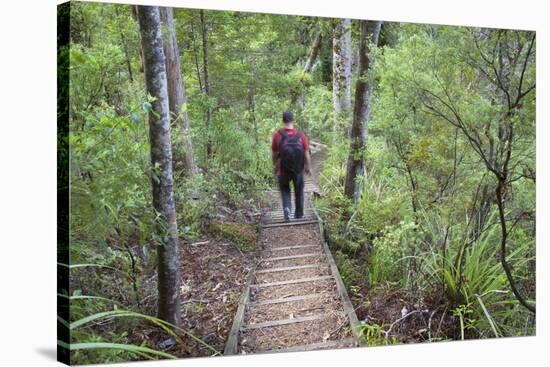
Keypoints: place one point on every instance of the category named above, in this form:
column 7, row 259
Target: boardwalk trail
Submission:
column 295, row 299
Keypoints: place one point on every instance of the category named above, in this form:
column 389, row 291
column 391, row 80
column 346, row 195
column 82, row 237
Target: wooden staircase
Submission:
column 294, row 299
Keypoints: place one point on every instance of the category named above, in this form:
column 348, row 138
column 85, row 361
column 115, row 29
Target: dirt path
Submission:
column 295, row 299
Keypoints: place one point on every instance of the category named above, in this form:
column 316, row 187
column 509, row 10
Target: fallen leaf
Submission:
column 326, row 335
column 217, row 287
column 185, row 288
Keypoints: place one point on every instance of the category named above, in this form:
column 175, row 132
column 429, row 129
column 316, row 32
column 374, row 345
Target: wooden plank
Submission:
column 297, row 247
column 281, row 215
column 314, row 346
column 292, row 281
column 292, row 257
column 292, row 299
column 284, row 322
column 348, row 307
column 289, row 268
column 277, row 220
column 231, row 346
column 271, row 212
column 291, row 223
column 281, row 218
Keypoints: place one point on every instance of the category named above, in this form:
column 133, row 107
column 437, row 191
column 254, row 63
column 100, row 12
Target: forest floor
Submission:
column 410, row 318
column 213, row 273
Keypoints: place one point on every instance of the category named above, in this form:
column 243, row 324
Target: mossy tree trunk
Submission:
column 161, row 159
column 297, row 100
column 370, row 31
column 341, row 69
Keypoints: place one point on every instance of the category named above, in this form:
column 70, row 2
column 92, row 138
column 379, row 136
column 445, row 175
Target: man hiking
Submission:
column 290, row 155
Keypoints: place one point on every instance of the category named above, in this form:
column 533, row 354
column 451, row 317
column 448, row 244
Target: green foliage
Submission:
column 388, row 254
column 472, row 277
column 348, row 271
column 420, row 222
column 375, row 335
column 318, row 112
column 118, row 349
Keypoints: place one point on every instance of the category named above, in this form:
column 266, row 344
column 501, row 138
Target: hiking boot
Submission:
column 298, row 216
column 286, row 212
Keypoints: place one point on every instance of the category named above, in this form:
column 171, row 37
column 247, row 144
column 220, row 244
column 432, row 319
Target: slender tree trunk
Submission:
column 161, row 157
column 252, row 104
column 499, row 192
column 370, row 31
column 313, row 53
column 206, row 84
column 196, row 55
column 125, row 49
column 341, row 69
column 176, row 88
column 297, row 98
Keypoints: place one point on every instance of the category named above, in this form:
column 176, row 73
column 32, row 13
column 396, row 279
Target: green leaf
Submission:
column 143, row 351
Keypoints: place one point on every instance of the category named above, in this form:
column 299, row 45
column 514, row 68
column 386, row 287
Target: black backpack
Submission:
column 291, row 152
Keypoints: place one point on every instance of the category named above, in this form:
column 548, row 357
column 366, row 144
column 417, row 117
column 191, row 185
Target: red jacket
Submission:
column 277, row 139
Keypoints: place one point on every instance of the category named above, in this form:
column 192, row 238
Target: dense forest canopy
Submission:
column 439, row 205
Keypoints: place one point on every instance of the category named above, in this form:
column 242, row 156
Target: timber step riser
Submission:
column 313, row 254
column 283, row 322
column 292, row 281
column 305, row 297
column 315, row 346
column 290, row 223
column 291, row 247
column 291, row 268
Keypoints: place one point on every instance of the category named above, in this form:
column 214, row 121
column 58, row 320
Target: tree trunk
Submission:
column 161, row 157
column 196, row 55
column 134, row 11
column 297, row 99
column 499, row 192
column 341, row 68
column 125, row 49
column 370, row 31
column 206, row 84
column 176, row 88
column 313, row 52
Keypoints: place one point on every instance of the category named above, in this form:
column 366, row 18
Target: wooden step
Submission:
column 292, row 257
column 292, row 281
column 290, row 223
column 293, row 299
column 314, row 346
column 287, row 268
column 284, row 322
column 282, row 219
column 290, row 247
column 281, row 216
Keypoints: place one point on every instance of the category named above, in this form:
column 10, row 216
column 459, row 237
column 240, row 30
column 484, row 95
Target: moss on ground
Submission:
column 244, row 235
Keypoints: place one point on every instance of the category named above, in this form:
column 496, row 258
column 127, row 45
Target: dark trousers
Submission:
column 284, row 186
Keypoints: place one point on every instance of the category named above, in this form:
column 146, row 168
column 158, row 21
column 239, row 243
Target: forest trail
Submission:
column 294, row 299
